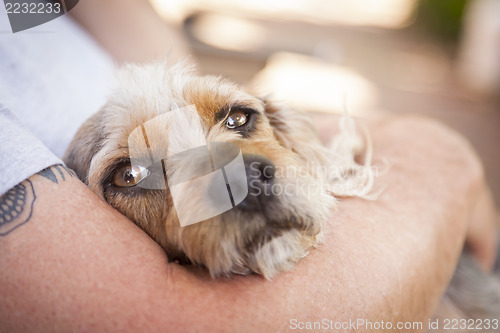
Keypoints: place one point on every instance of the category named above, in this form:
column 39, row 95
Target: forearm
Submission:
column 68, row 266
column 80, row 265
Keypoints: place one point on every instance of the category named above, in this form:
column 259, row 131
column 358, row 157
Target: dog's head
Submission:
column 170, row 145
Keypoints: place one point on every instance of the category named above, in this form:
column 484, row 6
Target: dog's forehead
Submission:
column 173, row 106
column 144, row 92
column 213, row 95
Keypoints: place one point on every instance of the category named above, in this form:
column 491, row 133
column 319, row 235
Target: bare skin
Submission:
column 74, row 268
column 79, row 265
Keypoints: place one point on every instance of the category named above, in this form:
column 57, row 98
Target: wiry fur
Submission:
column 265, row 241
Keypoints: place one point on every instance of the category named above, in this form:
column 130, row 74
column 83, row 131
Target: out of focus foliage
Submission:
column 441, row 19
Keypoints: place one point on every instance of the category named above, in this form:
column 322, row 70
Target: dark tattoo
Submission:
column 51, row 175
column 16, row 206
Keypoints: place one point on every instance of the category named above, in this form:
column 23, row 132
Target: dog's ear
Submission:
column 86, row 143
column 294, row 130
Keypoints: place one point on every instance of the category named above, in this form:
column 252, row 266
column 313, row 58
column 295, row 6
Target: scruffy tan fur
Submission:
column 264, row 242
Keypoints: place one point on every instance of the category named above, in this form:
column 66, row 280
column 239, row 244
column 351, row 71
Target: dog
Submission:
column 291, row 186
column 164, row 127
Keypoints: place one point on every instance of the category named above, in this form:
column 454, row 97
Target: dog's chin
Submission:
column 280, row 252
column 279, row 245
column 267, row 248
column 273, row 242
column 262, row 238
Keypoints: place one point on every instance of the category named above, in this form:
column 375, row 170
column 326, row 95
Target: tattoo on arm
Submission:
column 51, row 173
column 16, row 206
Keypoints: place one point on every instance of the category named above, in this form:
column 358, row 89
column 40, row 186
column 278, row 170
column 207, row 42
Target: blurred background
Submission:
column 438, row 58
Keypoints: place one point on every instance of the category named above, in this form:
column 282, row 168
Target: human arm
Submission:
column 80, row 265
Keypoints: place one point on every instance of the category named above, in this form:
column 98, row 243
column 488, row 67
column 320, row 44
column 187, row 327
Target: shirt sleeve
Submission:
column 21, row 153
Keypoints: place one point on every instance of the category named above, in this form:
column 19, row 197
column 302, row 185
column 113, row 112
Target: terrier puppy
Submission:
column 166, row 140
column 224, row 179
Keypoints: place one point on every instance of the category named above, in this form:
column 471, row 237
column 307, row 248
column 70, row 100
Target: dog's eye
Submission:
column 129, row 175
column 236, row 119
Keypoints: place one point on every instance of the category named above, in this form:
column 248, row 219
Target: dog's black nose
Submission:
column 259, row 169
column 260, row 172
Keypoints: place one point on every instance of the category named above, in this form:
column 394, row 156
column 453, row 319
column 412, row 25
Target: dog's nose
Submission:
column 260, row 172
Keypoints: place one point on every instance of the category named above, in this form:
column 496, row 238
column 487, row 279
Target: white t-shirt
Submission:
column 52, row 78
